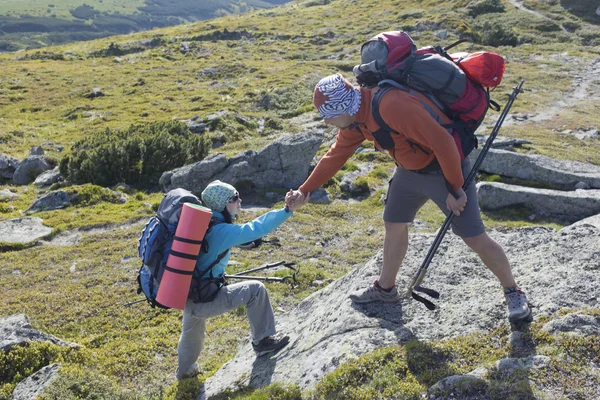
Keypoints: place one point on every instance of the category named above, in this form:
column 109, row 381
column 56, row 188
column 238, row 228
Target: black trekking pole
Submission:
column 418, row 278
column 243, row 275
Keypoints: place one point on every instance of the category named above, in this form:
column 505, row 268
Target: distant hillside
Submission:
column 33, row 24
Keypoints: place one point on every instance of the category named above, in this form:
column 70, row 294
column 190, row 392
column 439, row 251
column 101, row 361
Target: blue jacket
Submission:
column 224, row 236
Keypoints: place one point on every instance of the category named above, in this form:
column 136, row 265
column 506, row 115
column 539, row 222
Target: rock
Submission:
column 48, row 178
column 320, row 196
column 282, row 164
column 117, row 60
column 196, row 175
column 15, row 330
column 185, row 47
column 36, row 151
column 51, row 201
column 575, row 324
column 96, row 92
column 326, row 329
column 29, row 169
column 592, row 221
column 567, row 206
column 23, row 230
column 598, row 11
column 35, row 384
column 461, row 386
column 584, row 135
column 582, row 185
column 501, row 142
column 8, row 165
column 538, row 168
column 196, row 126
column 6, row 194
column 507, row 366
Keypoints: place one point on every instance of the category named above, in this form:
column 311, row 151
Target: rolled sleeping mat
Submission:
column 177, row 277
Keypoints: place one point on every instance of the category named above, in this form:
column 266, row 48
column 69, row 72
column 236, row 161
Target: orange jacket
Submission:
column 404, row 114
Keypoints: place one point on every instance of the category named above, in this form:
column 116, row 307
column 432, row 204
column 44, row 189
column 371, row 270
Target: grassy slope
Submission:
column 75, row 292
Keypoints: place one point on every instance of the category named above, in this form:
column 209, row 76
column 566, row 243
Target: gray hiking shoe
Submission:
column 270, row 344
column 375, row 293
column 518, row 308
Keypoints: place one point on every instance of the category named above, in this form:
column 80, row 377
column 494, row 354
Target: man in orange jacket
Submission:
column 429, row 167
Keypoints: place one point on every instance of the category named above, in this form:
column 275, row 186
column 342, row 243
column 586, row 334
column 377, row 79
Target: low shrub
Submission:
column 136, row 156
column 480, row 7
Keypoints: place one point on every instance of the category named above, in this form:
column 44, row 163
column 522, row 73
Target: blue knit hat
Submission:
column 217, row 195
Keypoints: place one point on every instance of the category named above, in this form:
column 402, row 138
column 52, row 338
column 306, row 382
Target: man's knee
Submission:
column 478, row 242
column 396, row 228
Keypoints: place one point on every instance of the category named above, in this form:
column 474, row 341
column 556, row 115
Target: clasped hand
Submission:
column 294, row 199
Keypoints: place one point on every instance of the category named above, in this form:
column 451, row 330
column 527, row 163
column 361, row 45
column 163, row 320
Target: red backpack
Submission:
column 458, row 84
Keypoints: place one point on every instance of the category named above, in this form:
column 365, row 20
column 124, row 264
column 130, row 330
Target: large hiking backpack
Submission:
column 456, row 84
column 156, row 240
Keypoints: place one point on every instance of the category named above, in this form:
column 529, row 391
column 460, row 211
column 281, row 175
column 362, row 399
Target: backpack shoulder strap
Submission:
column 383, row 135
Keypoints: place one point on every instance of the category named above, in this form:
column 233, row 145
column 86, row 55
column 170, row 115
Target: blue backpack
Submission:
column 156, row 240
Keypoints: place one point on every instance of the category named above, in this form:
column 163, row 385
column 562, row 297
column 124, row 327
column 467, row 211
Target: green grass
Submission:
column 61, row 7
column 77, row 292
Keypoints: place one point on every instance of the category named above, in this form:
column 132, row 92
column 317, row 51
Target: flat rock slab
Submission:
column 539, row 168
column 557, row 269
column 23, row 230
column 570, row 206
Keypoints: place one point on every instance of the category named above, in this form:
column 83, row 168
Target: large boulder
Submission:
column 48, row 178
column 23, row 230
column 557, row 269
column 538, row 168
column 29, row 169
column 567, row 206
column 281, row 164
column 8, row 165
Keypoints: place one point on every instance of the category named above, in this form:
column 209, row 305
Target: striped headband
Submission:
column 335, row 96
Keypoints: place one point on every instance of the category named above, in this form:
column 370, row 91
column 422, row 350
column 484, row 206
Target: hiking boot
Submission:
column 375, row 293
column 270, row 344
column 518, row 308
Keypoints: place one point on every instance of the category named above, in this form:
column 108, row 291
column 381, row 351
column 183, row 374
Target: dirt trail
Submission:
column 520, row 6
column 585, row 87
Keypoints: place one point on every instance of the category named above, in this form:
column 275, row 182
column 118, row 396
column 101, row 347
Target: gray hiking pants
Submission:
column 252, row 294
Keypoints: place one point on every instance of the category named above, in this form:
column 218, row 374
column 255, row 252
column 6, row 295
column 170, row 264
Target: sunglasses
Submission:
column 234, row 198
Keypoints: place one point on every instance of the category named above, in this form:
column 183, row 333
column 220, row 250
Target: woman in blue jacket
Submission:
column 207, row 299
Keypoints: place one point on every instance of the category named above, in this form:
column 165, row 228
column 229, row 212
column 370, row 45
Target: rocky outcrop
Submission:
column 23, row 230
column 574, row 324
column 29, row 169
column 15, row 330
column 35, row 384
column 281, row 164
column 8, row 165
column 326, row 329
column 536, row 168
column 51, row 201
column 567, row 206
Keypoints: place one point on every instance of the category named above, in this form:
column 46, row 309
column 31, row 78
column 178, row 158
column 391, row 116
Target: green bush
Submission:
column 136, row 156
column 485, row 7
column 22, row 361
column 495, row 34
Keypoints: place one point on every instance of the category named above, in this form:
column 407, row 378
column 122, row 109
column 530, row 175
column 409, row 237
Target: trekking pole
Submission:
column 266, row 266
column 418, row 278
column 242, row 275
